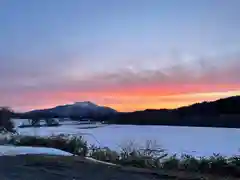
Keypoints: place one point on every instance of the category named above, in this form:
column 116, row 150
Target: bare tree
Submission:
column 5, row 119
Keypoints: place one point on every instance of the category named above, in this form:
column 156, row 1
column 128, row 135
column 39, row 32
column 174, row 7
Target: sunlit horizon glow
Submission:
column 129, row 54
column 133, row 103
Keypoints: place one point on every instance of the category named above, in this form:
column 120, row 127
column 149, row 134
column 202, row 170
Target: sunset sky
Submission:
column 126, row 54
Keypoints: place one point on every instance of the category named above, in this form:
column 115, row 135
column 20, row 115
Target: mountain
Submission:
column 81, row 109
column 220, row 113
column 76, row 110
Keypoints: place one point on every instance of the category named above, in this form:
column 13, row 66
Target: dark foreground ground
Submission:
column 38, row 167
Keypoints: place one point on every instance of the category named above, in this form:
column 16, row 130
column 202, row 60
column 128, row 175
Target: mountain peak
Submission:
column 85, row 104
column 84, row 108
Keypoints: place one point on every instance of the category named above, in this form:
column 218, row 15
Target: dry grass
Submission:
column 149, row 157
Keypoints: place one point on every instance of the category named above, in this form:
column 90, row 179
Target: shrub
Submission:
column 74, row 145
column 171, row 162
column 204, row 164
column 131, row 155
column 235, row 160
column 148, row 156
column 104, row 154
column 188, row 162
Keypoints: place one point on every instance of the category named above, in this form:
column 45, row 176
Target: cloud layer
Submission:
column 124, row 88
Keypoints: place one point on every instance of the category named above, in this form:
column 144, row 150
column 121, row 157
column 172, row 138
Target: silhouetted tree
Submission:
column 5, row 119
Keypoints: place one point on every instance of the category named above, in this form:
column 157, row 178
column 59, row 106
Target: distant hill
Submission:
column 221, row 113
column 77, row 110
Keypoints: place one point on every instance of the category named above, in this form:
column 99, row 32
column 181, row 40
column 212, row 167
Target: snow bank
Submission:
column 23, row 150
column 20, row 150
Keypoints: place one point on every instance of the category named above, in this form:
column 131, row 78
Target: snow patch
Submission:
column 23, row 150
column 98, row 161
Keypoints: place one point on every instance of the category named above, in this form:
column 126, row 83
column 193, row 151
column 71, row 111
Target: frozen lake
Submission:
column 192, row 140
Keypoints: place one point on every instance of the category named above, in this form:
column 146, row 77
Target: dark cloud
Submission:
column 223, row 70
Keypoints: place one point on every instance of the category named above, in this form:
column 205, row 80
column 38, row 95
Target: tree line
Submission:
column 220, row 113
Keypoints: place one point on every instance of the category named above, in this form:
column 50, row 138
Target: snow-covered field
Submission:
column 191, row 140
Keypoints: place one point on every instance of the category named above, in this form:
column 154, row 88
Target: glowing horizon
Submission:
column 134, row 103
